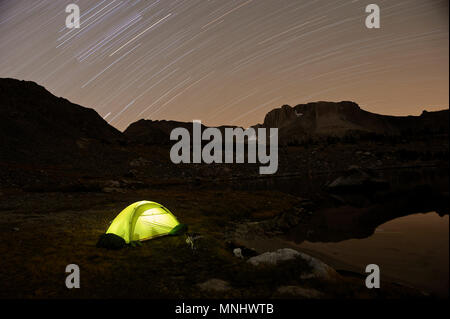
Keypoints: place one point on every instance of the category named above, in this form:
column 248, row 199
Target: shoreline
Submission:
column 321, row 252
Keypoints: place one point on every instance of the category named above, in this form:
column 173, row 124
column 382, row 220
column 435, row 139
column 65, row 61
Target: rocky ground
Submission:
column 44, row 232
column 52, row 217
column 43, row 229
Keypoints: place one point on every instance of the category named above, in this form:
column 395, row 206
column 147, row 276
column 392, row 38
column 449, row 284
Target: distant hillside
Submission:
column 153, row 132
column 36, row 126
column 157, row 132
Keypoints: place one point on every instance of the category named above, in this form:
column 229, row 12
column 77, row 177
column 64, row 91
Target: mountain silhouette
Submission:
column 321, row 119
column 38, row 127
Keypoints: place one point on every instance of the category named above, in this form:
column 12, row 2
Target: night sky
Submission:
column 229, row 61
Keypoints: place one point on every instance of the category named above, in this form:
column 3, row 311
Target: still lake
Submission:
column 413, row 250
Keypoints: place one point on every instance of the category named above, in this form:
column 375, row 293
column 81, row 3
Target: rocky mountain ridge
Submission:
column 321, row 119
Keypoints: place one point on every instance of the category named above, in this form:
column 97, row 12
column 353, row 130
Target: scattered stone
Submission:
column 357, row 178
column 275, row 226
column 238, row 253
column 83, row 143
column 239, row 249
column 112, row 190
column 132, row 173
column 113, row 184
column 297, row 291
column 16, row 228
column 214, row 284
column 121, row 186
column 138, row 162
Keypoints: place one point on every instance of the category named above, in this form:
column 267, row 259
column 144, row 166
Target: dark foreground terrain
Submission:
column 44, row 232
column 65, row 174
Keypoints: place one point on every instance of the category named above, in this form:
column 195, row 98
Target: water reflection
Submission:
column 413, row 249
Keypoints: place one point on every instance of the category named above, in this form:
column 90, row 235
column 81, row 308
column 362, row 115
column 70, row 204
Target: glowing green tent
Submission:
column 144, row 220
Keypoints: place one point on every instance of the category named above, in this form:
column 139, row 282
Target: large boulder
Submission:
column 274, row 257
column 318, row 269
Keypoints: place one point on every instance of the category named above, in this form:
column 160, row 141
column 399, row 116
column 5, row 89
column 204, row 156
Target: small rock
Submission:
column 138, row 162
column 131, row 173
column 357, row 178
column 297, row 291
column 83, row 143
column 215, row 285
column 238, row 253
column 112, row 183
column 16, row 229
column 112, row 190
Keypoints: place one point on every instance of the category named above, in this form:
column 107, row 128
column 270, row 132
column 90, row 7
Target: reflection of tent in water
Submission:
column 144, row 220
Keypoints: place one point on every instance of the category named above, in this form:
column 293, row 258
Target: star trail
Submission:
column 229, row 62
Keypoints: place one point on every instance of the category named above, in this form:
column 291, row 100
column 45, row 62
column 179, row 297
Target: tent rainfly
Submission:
column 144, row 220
